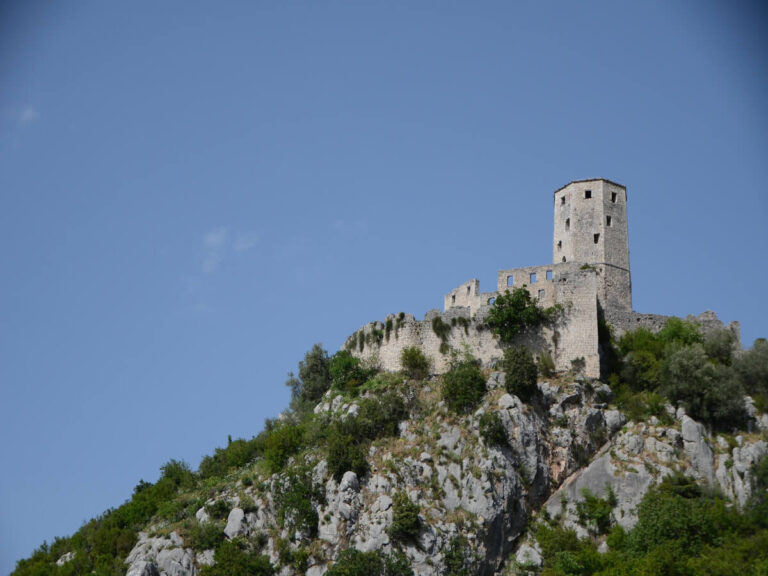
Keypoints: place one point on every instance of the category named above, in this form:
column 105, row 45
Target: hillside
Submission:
column 517, row 469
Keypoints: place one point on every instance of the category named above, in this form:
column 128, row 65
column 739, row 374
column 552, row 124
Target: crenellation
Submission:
column 589, row 280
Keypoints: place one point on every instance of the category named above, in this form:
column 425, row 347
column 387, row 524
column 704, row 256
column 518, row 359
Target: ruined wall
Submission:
column 572, row 335
column 467, row 295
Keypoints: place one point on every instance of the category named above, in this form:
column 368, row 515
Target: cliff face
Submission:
column 473, row 490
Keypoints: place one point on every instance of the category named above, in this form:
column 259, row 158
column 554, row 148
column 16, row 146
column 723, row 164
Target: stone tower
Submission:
column 591, row 228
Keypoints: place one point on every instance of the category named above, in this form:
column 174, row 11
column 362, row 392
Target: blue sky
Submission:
column 193, row 194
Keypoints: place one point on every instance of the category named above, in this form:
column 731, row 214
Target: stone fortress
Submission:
column 589, row 278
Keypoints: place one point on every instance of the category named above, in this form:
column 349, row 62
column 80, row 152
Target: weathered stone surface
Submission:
column 235, row 523
column 64, row 558
column 142, row 568
column 698, row 450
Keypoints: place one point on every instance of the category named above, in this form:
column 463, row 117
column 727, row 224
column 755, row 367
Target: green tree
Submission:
column 512, row 313
column 405, row 518
column 520, row 372
column 463, row 386
column 233, row 559
column 314, row 377
column 415, row 364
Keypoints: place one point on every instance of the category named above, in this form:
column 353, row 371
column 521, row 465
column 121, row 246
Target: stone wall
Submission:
column 573, row 333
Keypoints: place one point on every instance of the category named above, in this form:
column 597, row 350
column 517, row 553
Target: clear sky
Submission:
column 193, row 193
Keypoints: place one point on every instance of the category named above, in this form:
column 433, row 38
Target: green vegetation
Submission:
column 352, row 562
column 314, row 378
column 347, row 373
column 682, row 529
column 442, row 330
column 405, row 519
column 520, row 373
column 234, row 559
column 415, row 364
column 699, row 371
column 515, row 312
column 457, row 558
column 345, row 453
column 464, row 386
column 492, row 430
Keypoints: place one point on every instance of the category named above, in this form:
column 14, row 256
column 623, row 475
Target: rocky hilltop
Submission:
column 398, row 473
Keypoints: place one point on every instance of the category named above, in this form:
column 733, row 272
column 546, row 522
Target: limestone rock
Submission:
column 235, row 524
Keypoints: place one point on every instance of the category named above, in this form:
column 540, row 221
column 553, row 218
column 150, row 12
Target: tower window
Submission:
column 562, row 200
column 510, row 281
column 563, row 258
column 567, row 224
column 491, row 301
column 468, row 289
column 559, row 244
column 613, row 197
column 597, row 238
column 549, row 274
column 587, row 193
column 541, row 294
column 608, row 220
column 533, row 277
column 453, row 299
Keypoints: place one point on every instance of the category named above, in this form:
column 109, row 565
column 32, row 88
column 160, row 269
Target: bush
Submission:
column 281, row 443
column 521, row 373
column 405, row 519
column 344, row 453
column 414, row 363
column 492, row 430
column 546, row 365
column 314, row 378
column 379, row 417
column 296, row 504
column 709, row 392
column 752, row 368
column 232, row 559
column 205, row 536
column 352, row 562
column 464, row 386
column 595, row 513
column 514, row 312
column 456, row 556
column 347, row 373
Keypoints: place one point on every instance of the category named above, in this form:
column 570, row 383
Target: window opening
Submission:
column 613, row 197
column 549, row 274
column 563, row 258
column 491, row 301
column 562, row 200
column 597, row 238
column 510, row 281
column 608, row 220
column 587, row 193
column 559, row 244
column 567, row 224
column 541, row 294
column 533, row 277
column 453, row 299
column 468, row 289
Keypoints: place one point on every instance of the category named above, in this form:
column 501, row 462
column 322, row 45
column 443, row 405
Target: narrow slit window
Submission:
column 563, row 258
column 510, row 280
column 613, row 197
column 587, row 194
column 562, row 200
column 541, row 294
column 549, row 274
column 597, row 238
column 559, row 244
column 533, row 277
column 468, row 289
column 608, row 221
column 567, row 224
column 453, row 299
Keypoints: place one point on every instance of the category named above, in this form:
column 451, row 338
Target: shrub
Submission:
column 282, row 442
column 521, row 373
column 456, row 556
column 594, row 512
column 352, row 562
column 709, row 392
column 379, row 417
column 347, row 373
column 463, row 386
column 492, row 430
column 513, row 313
column 314, row 376
column 414, row 363
column 405, row 519
column 296, row 504
column 344, row 453
column 546, row 365
column 205, row 536
column 752, row 367
column 232, row 559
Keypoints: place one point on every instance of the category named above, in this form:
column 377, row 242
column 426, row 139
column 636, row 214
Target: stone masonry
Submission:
column 589, row 278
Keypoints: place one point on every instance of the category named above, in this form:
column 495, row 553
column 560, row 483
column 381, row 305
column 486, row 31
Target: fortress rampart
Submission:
column 589, row 279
